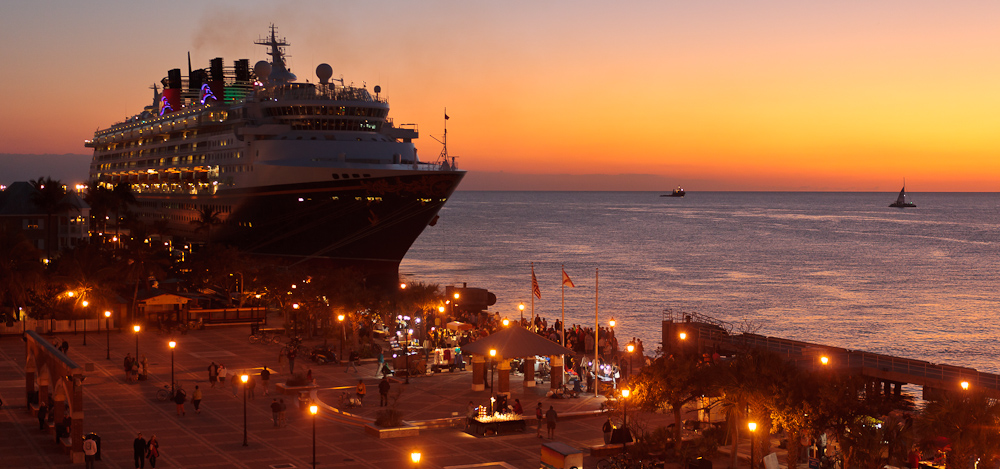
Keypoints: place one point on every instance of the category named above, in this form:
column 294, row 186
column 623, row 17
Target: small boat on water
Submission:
column 678, row 192
column 901, row 201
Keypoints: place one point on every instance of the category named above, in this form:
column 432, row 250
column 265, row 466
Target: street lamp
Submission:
column 965, row 385
column 136, row 328
column 631, row 348
column 172, row 344
column 85, row 303
column 312, row 410
column 612, row 322
column 493, row 354
column 683, row 335
column 107, row 325
column 506, row 322
column 415, row 457
column 753, row 429
column 625, row 393
column 343, row 330
column 824, row 360
column 244, row 378
column 520, row 308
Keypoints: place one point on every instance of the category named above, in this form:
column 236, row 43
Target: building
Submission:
column 20, row 212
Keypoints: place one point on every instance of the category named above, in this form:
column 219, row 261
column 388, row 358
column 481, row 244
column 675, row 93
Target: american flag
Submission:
column 534, row 284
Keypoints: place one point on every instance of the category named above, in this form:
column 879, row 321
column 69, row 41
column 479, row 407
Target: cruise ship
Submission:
column 304, row 171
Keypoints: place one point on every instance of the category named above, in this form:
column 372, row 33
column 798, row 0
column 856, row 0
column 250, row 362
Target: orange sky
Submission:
column 778, row 95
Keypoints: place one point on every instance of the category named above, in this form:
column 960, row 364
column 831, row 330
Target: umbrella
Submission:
column 515, row 342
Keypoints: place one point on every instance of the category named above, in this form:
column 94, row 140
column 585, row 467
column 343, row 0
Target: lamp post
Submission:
column 172, row 344
column 965, row 385
column 85, row 303
column 753, row 430
column 630, row 348
column 520, row 309
column 506, row 322
column 625, row 393
column 415, row 457
column 312, row 410
column 244, row 378
column 107, row 326
column 493, row 354
column 136, row 328
column 343, row 337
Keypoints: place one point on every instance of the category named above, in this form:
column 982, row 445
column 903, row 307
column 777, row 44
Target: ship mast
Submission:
column 443, row 156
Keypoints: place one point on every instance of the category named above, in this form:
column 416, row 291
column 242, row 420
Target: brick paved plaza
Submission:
column 117, row 410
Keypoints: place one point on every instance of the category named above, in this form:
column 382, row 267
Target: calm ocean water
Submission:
column 835, row 268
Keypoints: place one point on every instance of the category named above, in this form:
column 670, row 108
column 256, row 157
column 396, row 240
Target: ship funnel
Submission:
column 171, row 99
column 214, row 90
column 324, row 72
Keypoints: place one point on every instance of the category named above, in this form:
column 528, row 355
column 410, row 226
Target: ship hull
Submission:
column 367, row 224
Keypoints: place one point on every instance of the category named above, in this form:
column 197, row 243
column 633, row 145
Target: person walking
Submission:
column 43, row 413
column 222, row 375
column 152, row 451
column 128, row 367
column 275, row 411
column 180, row 396
column 89, row 452
column 550, row 421
column 196, row 399
column 538, row 416
column 381, row 364
column 139, row 451
column 265, row 378
column 213, row 373
column 383, row 392
column 352, row 361
column 361, row 390
column 281, row 413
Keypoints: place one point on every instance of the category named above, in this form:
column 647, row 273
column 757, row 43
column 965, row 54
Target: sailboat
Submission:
column 901, row 201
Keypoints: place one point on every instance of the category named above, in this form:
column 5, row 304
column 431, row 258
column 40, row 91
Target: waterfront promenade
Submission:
column 117, row 410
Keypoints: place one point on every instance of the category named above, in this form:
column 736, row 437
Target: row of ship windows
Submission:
column 155, row 151
column 235, row 168
column 180, row 206
column 158, row 126
column 332, row 124
column 326, row 111
column 176, row 160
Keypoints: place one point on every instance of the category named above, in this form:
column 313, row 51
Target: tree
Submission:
column 20, row 270
column 50, row 198
column 89, row 273
column 749, row 385
column 968, row 420
column 122, row 198
column 208, row 218
column 140, row 261
column 101, row 201
column 795, row 407
column 671, row 383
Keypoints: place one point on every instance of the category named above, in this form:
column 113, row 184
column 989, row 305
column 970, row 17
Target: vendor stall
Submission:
column 496, row 424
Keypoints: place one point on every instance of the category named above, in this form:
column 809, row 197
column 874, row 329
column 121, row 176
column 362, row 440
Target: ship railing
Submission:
column 923, row 369
column 319, row 92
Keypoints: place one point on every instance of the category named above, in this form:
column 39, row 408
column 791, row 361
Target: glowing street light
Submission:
column 630, row 348
column 965, row 385
column 136, row 328
column 107, row 325
column 520, row 308
column 313, row 409
column 683, row 335
column 506, row 322
column 415, row 457
column 824, row 360
column 493, row 354
column 625, row 394
column 753, row 431
column 244, row 377
column 172, row 344
column 343, row 331
column 85, row 303
column 612, row 322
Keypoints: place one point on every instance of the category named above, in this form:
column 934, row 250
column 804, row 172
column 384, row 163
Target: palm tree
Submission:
column 969, row 422
column 101, row 201
column 123, row 197
column 89, row 273
column 50, row 199
column 140, row 261
column 207, row 219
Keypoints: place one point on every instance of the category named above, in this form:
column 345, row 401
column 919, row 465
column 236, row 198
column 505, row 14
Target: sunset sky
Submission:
column 714, row 95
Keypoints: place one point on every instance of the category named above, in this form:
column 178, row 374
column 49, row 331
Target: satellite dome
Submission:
column 262, row 69
column 324, row 72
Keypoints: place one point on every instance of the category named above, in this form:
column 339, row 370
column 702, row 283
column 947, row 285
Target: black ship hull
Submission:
column 368, row 224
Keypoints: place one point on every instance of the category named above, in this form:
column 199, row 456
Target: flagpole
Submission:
column 597, row 328
column 532, row 295
column 562, row 281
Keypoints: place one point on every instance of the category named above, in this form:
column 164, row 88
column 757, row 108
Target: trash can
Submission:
column 97, row 439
